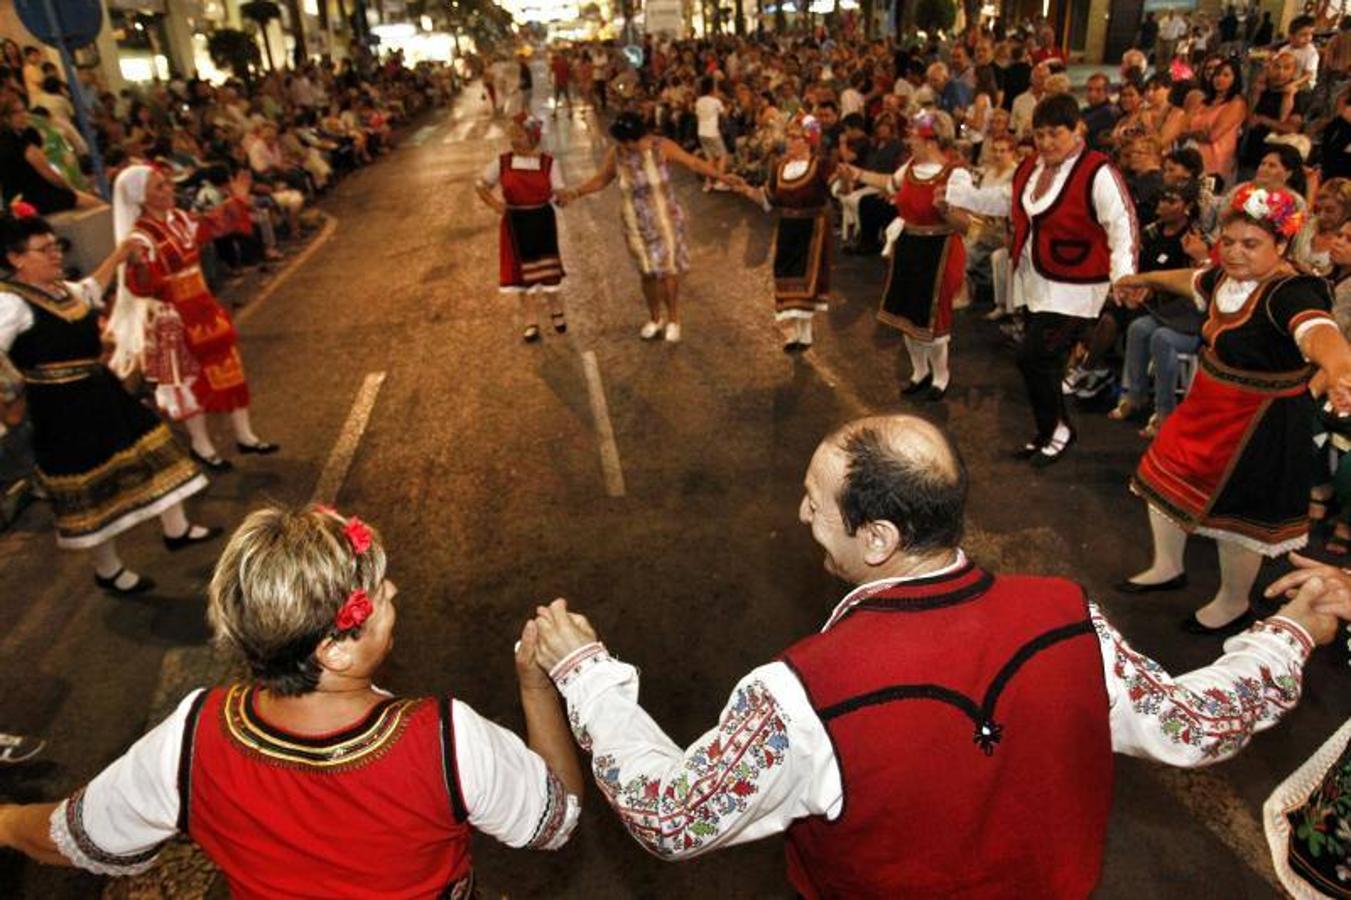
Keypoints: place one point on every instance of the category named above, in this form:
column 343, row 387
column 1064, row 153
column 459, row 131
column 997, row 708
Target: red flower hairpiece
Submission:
column 355, row 610
column 358, row 535
column 21, row 210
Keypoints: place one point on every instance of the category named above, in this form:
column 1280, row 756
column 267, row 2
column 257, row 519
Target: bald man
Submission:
column 949, row 732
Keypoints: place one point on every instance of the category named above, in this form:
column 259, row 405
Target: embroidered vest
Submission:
column 970, row 723
column 375, row 810
column 1069, row 244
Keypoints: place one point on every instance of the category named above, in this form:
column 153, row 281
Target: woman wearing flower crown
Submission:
column 928, row 261
column 527, row 183
column 308, row 780
column 799, row 185
column 1233, row 462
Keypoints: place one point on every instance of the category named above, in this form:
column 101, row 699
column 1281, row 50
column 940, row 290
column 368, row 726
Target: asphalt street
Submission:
column 395, row 379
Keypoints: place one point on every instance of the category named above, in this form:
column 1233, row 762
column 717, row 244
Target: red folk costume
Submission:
column 928, row 261
column 275, row 810
column 171, row 272
column 529, row 232
column 1234, row 461
column 1012, row 744
column 802, row 238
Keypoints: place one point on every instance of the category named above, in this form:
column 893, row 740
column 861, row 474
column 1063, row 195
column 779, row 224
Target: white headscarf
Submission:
column 127, row 324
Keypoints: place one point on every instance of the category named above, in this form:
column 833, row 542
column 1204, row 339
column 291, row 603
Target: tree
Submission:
column 935, row 15
column 261, row 12
column 234, row 50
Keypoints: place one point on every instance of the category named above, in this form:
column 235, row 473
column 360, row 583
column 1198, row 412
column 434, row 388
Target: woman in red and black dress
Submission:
column 1233, row 462
column 169, row 272
column 799, row 186
column 928, row 261
column 528, row 182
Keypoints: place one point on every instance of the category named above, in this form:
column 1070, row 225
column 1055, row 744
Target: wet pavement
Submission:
column 388, row 350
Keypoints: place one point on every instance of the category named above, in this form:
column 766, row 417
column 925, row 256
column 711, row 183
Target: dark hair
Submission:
column 1188, row 158
column 707, row 84
column 1055, row 111
column 854, row 120
column 1292, row 162
column 1159, row 79
column 1235, row 89
column 1299, row 22
column 1189, row 192
column 925, row 503
column 15, row 234
column 628, row 126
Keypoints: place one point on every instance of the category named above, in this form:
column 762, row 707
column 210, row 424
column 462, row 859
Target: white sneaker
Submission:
column 673, row 333
column 652, row 330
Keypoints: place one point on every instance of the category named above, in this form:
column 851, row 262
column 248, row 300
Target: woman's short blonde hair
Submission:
column 277, row 589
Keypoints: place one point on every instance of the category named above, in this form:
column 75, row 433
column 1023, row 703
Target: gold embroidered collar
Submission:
column 64, row 306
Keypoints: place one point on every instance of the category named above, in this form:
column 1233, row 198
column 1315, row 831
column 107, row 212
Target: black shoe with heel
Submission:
column 141, row 585
column 214, row 463
column 187, row 539
column 1176, row 583
column 1193, row 625
column 262, row 448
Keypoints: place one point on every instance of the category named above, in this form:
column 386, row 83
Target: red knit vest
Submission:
column 1069, row 244
column 970, row 722
column 374, row 811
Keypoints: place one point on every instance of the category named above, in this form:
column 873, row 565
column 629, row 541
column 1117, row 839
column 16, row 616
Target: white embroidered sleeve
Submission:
column 15, row 319
column 115, row 824
column 767, row 762
column 995, row 200
column 508, row 789
column 491, row 174
column 1116, row 212
column 88, row 290
column 1208, row 715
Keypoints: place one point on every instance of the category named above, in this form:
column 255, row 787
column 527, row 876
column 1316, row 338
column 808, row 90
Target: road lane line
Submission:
column 605, row 432
column 340, row 459
column 330, row 226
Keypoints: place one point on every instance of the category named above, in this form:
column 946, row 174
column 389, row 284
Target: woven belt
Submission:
column 927, row 230
column 62, row 372
column 186, row 284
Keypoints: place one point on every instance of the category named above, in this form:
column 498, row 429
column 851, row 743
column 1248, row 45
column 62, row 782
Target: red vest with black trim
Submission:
column 526, row 187
column 1069, row 244
column 969, row 719
column 373, row 811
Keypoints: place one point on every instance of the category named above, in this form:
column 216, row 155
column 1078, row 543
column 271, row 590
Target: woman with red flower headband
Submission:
column 1233, row 462
column 928, row 262
column 308, row 780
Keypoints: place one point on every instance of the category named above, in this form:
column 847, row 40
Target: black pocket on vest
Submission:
column 1069, row 252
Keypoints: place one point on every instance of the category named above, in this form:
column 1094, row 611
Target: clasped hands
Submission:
column 548, row 639
column 1318, row 595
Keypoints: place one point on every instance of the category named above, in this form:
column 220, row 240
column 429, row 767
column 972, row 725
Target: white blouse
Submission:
column 16, row 316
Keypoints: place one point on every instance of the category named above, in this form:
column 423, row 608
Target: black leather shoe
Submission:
column 935, row 394
column 186, row 539
column 1176, row 583
column 1041, row 459
column 794, row 347
column 915, row 387
column 214, row 463
column 262, row 448
column 560, row 322
column 1193, row 625
column 142, row 584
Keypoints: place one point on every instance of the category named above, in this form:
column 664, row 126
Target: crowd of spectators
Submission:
column 288, row 133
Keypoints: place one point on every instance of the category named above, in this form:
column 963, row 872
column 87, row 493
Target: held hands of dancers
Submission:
column 1316, row 591
column 559, row 634
column 532, row 676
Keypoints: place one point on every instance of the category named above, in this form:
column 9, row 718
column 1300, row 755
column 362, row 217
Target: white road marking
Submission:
column 605, row 432
column 340, row 459
column 330, row 226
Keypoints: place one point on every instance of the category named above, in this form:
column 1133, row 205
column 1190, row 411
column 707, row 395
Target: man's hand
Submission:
column 1319, row 594
column 528, row 670
column 560, row 633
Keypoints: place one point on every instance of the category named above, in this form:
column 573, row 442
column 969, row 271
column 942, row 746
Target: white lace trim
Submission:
column 1289, row 795
column 1249, row 543
column 69, row 845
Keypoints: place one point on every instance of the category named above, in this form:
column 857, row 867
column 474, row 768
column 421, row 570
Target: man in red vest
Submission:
column 949, row 732
column 1074, row 233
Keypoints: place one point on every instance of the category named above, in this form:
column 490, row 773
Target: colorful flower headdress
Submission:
column 922, row 126
column 357, row 608
column 810, row 126
column 533, row 127
column 1276, row 207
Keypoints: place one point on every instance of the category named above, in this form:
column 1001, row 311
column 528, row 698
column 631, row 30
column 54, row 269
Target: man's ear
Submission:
column 881, row 541
column 334, row 655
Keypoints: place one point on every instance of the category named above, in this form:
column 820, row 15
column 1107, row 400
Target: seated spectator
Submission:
column 1165, row 120
column 25, row 170
column 1144, row 176
column 1025, row 102
column 1312, row 248
column 1215, row 125
column 1133, row 123
column 986, row 237
column 1170, row 324
column 883, row 155
column 1100, row 114
column 1301, row 46
column 1334, row 139
column 1182, row 166
column 274, row 177
column 950, row 95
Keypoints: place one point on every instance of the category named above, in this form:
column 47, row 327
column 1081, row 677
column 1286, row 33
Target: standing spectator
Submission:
column 1149, row 32
column 1172, row 28
column 709, row 110
column 1306, row 54
column 960, row 67
column 600, row 76
column 1215, row 126
column 1017, row 75
column 1266, row 30
column 561, row 71
column 1280, row 109
column 1228, row 32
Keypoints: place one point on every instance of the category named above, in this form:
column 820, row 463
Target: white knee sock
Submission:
column 804, row 331
column 919, row 359
column 243, row 427
column 937, row 353
column 199, row 436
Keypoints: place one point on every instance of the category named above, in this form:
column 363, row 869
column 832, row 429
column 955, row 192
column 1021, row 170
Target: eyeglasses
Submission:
column 51, row 247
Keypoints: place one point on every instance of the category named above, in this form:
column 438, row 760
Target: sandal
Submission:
column 1318, row 507
column 531, row 334
column 560, row 322
column 1125, row 409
